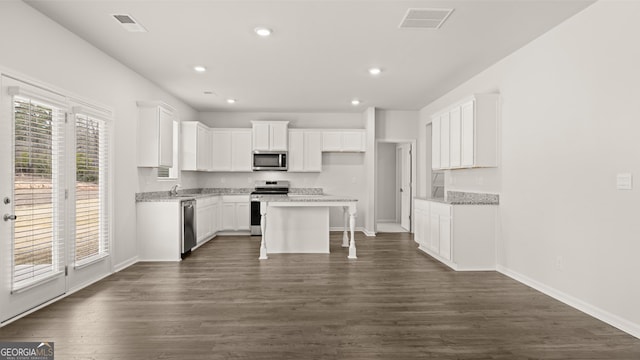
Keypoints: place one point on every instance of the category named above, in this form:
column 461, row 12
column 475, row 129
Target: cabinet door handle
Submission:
column 8, row 217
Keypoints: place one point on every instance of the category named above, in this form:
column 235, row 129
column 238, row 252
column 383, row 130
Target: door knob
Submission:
column 8, row 217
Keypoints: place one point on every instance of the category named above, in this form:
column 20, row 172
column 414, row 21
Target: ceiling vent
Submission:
column 425, row 18
column 129, row 23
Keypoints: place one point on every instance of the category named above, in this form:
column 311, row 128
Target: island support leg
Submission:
column 263, row 228
column 345, row 237
column 352, row 225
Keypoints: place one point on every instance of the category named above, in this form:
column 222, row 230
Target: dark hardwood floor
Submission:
column 394, row 302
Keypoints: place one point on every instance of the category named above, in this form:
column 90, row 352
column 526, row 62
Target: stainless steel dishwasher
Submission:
column 188, row 226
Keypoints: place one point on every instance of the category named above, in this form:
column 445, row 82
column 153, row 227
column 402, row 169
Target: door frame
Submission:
column 412, row 143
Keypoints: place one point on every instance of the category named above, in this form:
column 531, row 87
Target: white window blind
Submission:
column 92, row 235
column 38, row 173
column 172, row 172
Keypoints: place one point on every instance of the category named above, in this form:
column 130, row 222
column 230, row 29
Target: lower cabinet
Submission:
column 158, row 225
column 236, row 213
column 460, row 236
column 207, row 217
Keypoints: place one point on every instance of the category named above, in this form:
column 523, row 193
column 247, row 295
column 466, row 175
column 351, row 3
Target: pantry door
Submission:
column 33, row 206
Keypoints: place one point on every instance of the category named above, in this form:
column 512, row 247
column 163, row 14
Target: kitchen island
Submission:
column 300, row 224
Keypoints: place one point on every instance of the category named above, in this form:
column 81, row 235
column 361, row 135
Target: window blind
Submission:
column 38, row 173
column 172, row 172
column 92, row 235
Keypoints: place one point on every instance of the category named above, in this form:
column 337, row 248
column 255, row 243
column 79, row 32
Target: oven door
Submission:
column 255, row 217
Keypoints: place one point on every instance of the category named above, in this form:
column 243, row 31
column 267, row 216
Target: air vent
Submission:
column 425, row 18
column 129, row 23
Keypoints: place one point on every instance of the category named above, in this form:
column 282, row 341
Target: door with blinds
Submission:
column 54, row 166
column 32, row 187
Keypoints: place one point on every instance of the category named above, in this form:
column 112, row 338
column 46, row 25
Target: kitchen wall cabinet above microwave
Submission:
column 343, row 140
column 197, row 147
column 270, row 135
column 155, row 134
column 465, row 135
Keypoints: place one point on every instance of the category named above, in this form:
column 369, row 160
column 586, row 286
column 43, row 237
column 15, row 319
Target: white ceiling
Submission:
column 320, row 51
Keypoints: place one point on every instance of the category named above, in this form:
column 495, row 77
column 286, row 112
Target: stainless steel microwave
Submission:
column 269, row 161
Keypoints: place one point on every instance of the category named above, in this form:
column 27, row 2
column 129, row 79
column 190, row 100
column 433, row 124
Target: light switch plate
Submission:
column 624, row 181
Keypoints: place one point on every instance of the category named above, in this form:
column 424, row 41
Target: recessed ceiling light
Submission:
column 375, row 71
column 231, row 101
column 262, row 31
column 355, row 102
column 199, row 68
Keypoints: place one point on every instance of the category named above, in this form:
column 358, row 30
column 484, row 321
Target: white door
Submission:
column 32, row 184
column 405, row 186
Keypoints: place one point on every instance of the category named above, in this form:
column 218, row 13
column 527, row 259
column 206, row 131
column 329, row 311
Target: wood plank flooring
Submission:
column 392, row 303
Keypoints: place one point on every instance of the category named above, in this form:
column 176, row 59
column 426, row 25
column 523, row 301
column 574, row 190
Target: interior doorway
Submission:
column 395, row 185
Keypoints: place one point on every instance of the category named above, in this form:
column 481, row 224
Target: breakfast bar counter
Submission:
column 300, row 224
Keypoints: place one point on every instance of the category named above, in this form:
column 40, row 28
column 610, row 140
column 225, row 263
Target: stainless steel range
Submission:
column 280, row 187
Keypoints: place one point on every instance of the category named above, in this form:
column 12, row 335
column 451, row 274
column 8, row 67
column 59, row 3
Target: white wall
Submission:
column 342, row 173
column 74, row 66
column 394, row 125
column 569, row 124
column 386, row 178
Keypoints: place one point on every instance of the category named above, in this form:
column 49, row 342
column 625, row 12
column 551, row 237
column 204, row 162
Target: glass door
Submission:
column 32, row 188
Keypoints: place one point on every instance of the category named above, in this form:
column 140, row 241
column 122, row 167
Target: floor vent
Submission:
column 425, row 18
column 128, row 23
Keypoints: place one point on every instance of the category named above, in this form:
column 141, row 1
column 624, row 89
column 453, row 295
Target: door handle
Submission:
column 8, row 217
column 401, row 190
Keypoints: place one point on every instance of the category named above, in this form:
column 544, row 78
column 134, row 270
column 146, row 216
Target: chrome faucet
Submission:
column 174, row 190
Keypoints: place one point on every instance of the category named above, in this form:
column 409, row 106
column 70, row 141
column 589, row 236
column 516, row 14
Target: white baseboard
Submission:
column 600, row 314
column 125, row 264
column 360, row 229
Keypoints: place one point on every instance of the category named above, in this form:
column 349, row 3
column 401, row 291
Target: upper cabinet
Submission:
column 349, row 140
column 270, row 135
column 305, row 150
column 231, row 149
column 197, row 151
column 155, row 134
column 466, row 135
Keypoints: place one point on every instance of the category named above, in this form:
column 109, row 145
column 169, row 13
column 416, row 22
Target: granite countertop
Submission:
column 190, row 194
column 305, row 198
column 466, row 198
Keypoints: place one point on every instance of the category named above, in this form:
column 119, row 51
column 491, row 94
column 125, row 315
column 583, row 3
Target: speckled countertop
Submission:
column 305, row 198
column 466, row 198
column 204, row 192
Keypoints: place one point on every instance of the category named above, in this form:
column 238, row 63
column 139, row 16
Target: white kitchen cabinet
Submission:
column 344, row 140
column 460, row 236
column 445, row 141
column 435, row 143
column 421, row 226
column 454, row 137
column 270, row 135
column 231, row 150
column 236, row 213
column 241, row 150
column 158, row 226
column 155, row 134
column 305, row 151
column 467, row 135
column 196, row 147
column 206, row 217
